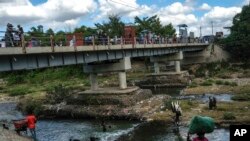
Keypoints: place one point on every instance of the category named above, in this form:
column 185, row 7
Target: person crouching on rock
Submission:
column 31, row 123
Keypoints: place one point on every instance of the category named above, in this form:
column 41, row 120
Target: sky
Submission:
column 67, row 14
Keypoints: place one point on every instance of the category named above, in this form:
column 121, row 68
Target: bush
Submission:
column 168, row 104
column 219, row 82
column 193, row 84
column 33, row 107
column 233, row 84
column 228, row 116
column 18, row 91
column 227, row 83
column 15, row 79
column 241, row 97
column 208, row 82
column 57, row 94
column 188, row 104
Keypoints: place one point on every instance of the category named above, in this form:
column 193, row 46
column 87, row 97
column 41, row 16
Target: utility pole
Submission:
column 212, row 27
column 200, row 32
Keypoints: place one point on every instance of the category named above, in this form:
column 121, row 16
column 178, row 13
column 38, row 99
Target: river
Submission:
column 63, row 130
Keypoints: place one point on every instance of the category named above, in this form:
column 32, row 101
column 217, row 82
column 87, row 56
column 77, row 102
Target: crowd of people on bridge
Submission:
column 13, row 38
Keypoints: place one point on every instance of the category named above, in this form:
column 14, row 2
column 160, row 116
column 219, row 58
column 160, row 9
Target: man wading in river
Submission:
column 31, row 123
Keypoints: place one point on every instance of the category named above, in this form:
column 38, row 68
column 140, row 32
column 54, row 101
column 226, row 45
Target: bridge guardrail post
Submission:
column 52, row 43
column 144, row 42
column 23, row 44
column 93, row 42
column 134, row 44
column 121, row 43
column 108, row 42
column 74, row 42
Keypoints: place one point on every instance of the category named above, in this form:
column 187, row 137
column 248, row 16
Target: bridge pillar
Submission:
column 156, row 67
column 122, row 80
column 120, row 66
column 177, row 67
column 176, row 57
column 93, row 81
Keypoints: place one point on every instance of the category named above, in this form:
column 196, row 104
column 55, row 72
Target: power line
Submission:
column 123, row 4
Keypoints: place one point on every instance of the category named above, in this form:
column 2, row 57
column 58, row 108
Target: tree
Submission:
column 145, row 23
column 87, row 31
column 49, row 32
column 114, row 26
column 168, row 30
column 40, row 28
column 154, row 25
column 60, row 37
column 238, row 42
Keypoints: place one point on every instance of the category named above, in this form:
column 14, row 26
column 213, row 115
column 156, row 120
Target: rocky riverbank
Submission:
column 7, row 135
column 139, row 105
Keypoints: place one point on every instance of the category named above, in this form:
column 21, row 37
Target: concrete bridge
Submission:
column 95, row 58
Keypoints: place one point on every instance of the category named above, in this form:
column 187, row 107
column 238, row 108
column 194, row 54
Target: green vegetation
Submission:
column 25, row 82
column 114, row 26
column 57, row 94
column 221, row 69
column 20, row 90
column 31, row 106
column 186, row 105
column 241, row 97
column 228, row 116
column 154, row 25
column 168, row 104
column 238, row 42
column 193, row 85
column 219, row 82
column 208, row 82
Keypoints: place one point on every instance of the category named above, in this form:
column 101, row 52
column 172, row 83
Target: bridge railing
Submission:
column 28, row 40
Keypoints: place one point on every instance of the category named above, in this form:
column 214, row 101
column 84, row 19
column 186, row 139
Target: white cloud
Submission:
column 127, row 8
column 48, row 13
column 59, row 14
column 205, row 6
column 246, row 2
column 220, row 16
column 176, row 13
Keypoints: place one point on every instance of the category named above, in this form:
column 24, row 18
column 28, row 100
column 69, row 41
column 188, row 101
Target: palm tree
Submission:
column 145, row 23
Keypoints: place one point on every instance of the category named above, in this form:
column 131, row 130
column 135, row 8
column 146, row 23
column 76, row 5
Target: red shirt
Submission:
column 197, row 139
column 31, row 121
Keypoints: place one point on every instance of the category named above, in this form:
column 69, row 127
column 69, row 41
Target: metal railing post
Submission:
column 121, row 43
column 74, row 42
column 108, row 42
column 134, row 44
column 52, row 43
column 144, row 42
column 23, row 44
column 93, row 42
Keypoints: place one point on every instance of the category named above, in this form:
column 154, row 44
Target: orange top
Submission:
column 31, row 121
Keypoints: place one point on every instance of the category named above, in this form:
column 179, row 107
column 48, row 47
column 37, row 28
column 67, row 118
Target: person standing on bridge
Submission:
column 20, row 34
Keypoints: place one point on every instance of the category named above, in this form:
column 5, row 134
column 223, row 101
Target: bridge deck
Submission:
column 65, row 49
column 15, row 58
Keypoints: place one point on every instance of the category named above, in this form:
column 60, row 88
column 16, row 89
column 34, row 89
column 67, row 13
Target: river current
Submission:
column 63, row 130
